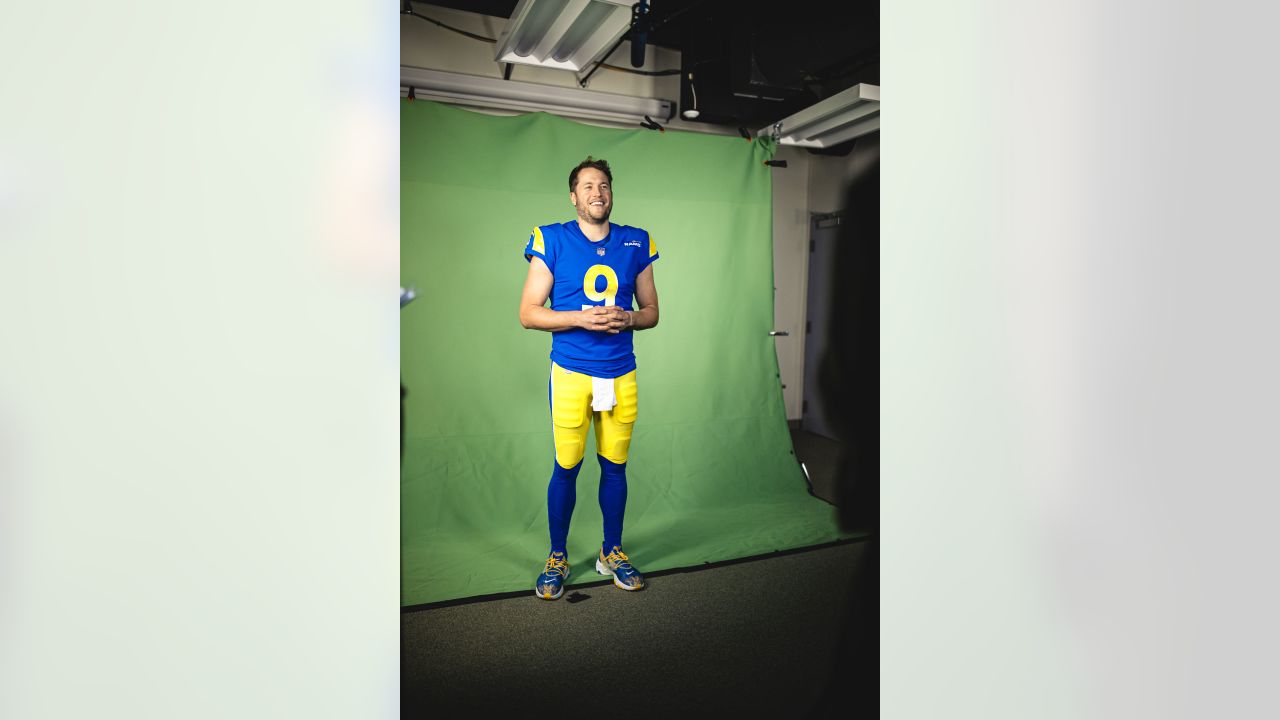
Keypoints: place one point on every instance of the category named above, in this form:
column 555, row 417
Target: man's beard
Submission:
column 585, row 214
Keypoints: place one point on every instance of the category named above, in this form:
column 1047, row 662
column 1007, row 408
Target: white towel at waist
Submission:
column 602, row 397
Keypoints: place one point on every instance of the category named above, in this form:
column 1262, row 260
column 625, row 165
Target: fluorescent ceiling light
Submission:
column 562, row 34
column 841, row 117
column 485, row 93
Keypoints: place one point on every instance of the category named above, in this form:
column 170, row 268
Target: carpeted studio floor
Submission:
column 754, row 637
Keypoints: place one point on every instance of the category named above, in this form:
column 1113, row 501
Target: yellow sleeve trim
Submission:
column 653, row 248
column 537, row 241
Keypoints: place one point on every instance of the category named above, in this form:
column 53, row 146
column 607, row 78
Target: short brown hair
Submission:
column 601, row 165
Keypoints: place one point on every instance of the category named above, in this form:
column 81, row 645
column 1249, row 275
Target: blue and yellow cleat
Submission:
column 551, row 582
column 617, row 565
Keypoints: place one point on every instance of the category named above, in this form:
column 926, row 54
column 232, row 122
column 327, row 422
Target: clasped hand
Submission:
column 606, row 318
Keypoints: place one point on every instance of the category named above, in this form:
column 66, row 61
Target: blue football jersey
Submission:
column 592, row 273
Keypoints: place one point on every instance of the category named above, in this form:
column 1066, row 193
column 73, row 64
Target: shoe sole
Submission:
column 553, row 597
column 600, row 568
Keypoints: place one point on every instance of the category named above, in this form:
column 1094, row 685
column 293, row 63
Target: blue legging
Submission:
column 562, row 495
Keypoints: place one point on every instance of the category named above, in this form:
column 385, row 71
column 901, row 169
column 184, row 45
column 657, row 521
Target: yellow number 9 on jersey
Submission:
column 611, row 284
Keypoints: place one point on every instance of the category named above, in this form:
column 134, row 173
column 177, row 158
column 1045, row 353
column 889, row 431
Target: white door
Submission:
column 823, row 235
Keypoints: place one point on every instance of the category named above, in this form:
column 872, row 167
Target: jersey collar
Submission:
column 577, row 232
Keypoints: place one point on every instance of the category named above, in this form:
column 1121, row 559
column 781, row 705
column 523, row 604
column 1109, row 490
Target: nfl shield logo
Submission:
column 600, row 252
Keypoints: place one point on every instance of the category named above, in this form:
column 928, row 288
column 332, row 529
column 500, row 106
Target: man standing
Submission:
column 590, row 268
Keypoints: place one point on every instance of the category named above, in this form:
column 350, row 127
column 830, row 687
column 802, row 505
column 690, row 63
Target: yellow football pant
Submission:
column 571, row 415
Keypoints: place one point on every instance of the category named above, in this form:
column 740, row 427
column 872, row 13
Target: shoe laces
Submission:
column 556, row 564
column 617, row 557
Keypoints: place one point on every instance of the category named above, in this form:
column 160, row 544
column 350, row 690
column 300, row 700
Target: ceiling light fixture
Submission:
column 692, row 113
column 846, row 115
column 486, row 93
column 562, row 34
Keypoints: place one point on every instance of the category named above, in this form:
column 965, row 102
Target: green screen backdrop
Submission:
column 710, row 475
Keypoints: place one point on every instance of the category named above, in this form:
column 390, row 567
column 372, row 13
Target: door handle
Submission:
column 778, row 333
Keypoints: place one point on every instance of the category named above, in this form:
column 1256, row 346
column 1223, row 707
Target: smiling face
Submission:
column 592, row 196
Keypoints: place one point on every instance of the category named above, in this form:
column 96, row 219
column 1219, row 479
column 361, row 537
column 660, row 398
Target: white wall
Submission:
column 807, row 179
column 791, row 269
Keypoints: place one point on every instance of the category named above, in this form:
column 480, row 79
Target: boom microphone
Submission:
column 640, row 27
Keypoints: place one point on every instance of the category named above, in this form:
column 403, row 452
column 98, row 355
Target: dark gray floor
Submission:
column 755, row 638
